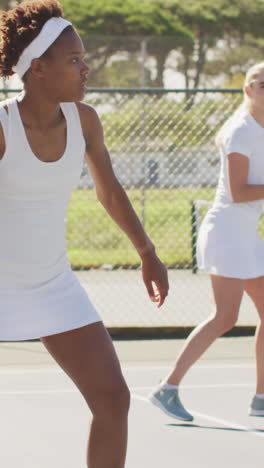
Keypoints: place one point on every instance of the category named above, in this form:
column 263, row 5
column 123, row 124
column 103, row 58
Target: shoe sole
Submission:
column 253, row 412
column 157, row 403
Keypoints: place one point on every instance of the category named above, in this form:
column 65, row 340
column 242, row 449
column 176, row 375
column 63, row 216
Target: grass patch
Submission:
column 93, row 238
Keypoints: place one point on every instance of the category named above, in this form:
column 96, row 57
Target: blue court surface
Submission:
column 44, row 419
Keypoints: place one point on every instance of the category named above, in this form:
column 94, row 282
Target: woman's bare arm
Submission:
column 115, row 201
column 241, row 191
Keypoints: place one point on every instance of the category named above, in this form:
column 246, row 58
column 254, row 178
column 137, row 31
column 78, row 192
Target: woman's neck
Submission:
column 37, row 112
column 258, row 114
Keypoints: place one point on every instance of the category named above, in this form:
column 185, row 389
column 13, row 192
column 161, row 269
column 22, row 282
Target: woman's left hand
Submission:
column 153, row 271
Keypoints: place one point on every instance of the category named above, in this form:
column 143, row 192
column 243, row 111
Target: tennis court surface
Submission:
column 44, row 419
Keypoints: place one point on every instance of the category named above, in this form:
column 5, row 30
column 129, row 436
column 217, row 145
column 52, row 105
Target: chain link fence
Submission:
column 162, row 149
column 163, row 152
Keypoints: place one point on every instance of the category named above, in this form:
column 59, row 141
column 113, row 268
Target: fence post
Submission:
column 193, row 236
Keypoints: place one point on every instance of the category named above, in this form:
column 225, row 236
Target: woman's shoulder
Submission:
column 242, row 122
column 241, row 128
column 90, row 121
column 89, row 118
column 86, row 110
column 239, row 137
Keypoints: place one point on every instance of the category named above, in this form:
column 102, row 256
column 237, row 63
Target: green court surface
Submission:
column 44, row 418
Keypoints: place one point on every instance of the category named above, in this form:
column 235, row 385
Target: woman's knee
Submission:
column 113, row 401
column 120, row 398
column 224, row 323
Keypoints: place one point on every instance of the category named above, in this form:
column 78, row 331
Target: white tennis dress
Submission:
column 228, row 244
column 39, row 294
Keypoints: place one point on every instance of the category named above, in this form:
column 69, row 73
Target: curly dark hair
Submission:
column 19, row 26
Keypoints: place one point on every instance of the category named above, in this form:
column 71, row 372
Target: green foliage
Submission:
column 207, row 35
column 94, row 239
column 112, row 26
column 116, row 17
column 235, row 61
column 123, row 73
column 146, row 124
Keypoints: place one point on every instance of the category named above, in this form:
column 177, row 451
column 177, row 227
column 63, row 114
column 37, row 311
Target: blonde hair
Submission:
column 250, row 78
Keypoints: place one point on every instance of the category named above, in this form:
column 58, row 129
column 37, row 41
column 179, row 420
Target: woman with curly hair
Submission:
column 44, row 134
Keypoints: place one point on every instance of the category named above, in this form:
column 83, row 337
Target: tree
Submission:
column 210, row 38
column 124, row 72
column 111, row 27
column 204, row 19
column 242, row 43
column 228, row 38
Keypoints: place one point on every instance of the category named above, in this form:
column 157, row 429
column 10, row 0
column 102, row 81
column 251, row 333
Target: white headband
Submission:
column 48, row 34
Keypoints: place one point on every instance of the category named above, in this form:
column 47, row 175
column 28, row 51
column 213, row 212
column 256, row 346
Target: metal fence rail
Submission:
column 162, row 148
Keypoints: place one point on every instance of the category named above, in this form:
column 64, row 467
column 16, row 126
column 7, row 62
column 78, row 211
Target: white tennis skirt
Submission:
column 228, row 243
column 55, row 306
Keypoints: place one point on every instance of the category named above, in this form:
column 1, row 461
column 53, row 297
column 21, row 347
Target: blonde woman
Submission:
column 229, row 247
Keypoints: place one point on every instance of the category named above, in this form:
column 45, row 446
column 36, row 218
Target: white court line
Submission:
column 194, row 386
column 144, row 366
column 132, row 389
column 224, row 422
column 135, row 396
column 39, row 392
column 57, row 370
column 27, row 370
column 230, row 424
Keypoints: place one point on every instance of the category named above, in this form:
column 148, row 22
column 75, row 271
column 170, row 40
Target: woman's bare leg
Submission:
column 255, row 289
column 88, row 357
column 228, row 293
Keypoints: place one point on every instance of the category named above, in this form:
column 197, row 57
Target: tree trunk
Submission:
column 201, row 59
column 161, row 60
column 202, row 49
column 186, row 74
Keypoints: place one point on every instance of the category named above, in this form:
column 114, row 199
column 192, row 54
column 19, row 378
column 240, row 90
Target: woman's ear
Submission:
column 37, row 68
column 247, row 90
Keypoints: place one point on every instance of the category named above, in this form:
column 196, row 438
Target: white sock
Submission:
column 168, row 386
column 260, row 395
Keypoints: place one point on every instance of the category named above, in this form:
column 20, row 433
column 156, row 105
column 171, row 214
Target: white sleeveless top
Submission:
column 39, row 294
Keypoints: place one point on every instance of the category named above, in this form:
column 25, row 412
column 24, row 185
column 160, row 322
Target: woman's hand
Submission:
column 153, row 271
